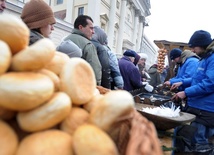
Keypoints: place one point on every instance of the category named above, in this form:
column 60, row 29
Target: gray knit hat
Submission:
column 70, row 48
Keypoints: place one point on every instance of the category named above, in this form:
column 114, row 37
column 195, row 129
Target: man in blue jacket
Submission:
column 200, row 93
column 187, row 62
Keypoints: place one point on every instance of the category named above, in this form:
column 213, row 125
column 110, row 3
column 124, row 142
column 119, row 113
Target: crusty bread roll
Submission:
column 6, row 114
column 89, row 139
column 52, row 76
column 24, row 90
column 49, row 142
column 35, row 57
column 93, row 102
column 58, row 61
column 8, row 140
column 46, row 115
column 78, row 80
column 77, row 117
column 14, row 32
column 113, row 105
column 5, row 57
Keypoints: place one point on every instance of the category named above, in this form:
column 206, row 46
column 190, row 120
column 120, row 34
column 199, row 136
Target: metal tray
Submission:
column 164, row 123
column 146, row 98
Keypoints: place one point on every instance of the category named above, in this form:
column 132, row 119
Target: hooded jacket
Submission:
column 89, row 52
column 187, row 67
column 200, row 94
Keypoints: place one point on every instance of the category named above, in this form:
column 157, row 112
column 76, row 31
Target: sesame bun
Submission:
column 76, row 117
column 49, row 142
column 113, row 105
column 9, row 140
column 78, row 80
column 14, row 32
column 5, row 57
column 46, row 115
column 35, row 57
column 89, row 139
column 24, row 90
column 58, row 61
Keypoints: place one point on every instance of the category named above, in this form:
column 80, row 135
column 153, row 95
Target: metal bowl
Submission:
column 165, row 123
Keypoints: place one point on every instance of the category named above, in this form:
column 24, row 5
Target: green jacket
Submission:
column 89, row 52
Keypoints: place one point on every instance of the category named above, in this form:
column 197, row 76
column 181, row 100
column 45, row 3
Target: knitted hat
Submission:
column 200, row 38
column 176, row 52
column 129, row 53
column 37, row 13
column 70, row 48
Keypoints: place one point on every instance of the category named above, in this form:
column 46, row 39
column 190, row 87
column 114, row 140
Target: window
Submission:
column 59, row 2
column 80, row 11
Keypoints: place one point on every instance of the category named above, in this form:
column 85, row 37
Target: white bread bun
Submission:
column 93, row 102
column 89, row 139
column 52, row 76
column 114, row 104
column 78, row 80
column 5, row 57
column 49, row 142
column 21, row 91
column 35, row 57
column 57, row 63
column 77, row 117
column 46, row 115
column 9, row 139
column 14, row 32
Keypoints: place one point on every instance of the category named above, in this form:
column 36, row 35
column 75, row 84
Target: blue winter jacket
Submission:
column 201, row 92
column 130, row 74
column 187, row 67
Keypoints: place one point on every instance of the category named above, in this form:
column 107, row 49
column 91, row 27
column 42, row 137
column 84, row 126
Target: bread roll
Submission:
column 113, row 105
column 6, row 114
column 52, row 76
column 58, row 61
column 89, row 139
column 35, row 57
column 14, row 32
column 9, row 140
column 77, row 117
column 93, row 102
column 21, row 91
column 5, row 57
column 49, row 142
column 78, row 80
column 46, row 115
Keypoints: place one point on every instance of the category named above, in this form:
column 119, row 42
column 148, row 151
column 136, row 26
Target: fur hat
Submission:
column 143, row 56
column 200, row 38
column 129, row 53
column 70, row 48
column 37, row 13
column 176, row 52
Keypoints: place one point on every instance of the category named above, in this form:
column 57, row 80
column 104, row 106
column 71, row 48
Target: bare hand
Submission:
column 179, row 95
column 167, row 83
column 176, row 85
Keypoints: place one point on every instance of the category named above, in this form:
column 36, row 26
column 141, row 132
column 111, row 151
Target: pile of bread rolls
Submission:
column 49, row 103
column 161, row 59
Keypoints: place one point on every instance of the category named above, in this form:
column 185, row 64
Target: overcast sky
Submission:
column 177, row 20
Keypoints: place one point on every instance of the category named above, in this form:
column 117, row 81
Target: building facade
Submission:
column 123, row 21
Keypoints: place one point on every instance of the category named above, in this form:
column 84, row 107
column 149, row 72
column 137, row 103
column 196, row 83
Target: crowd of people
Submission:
column 194, row 78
